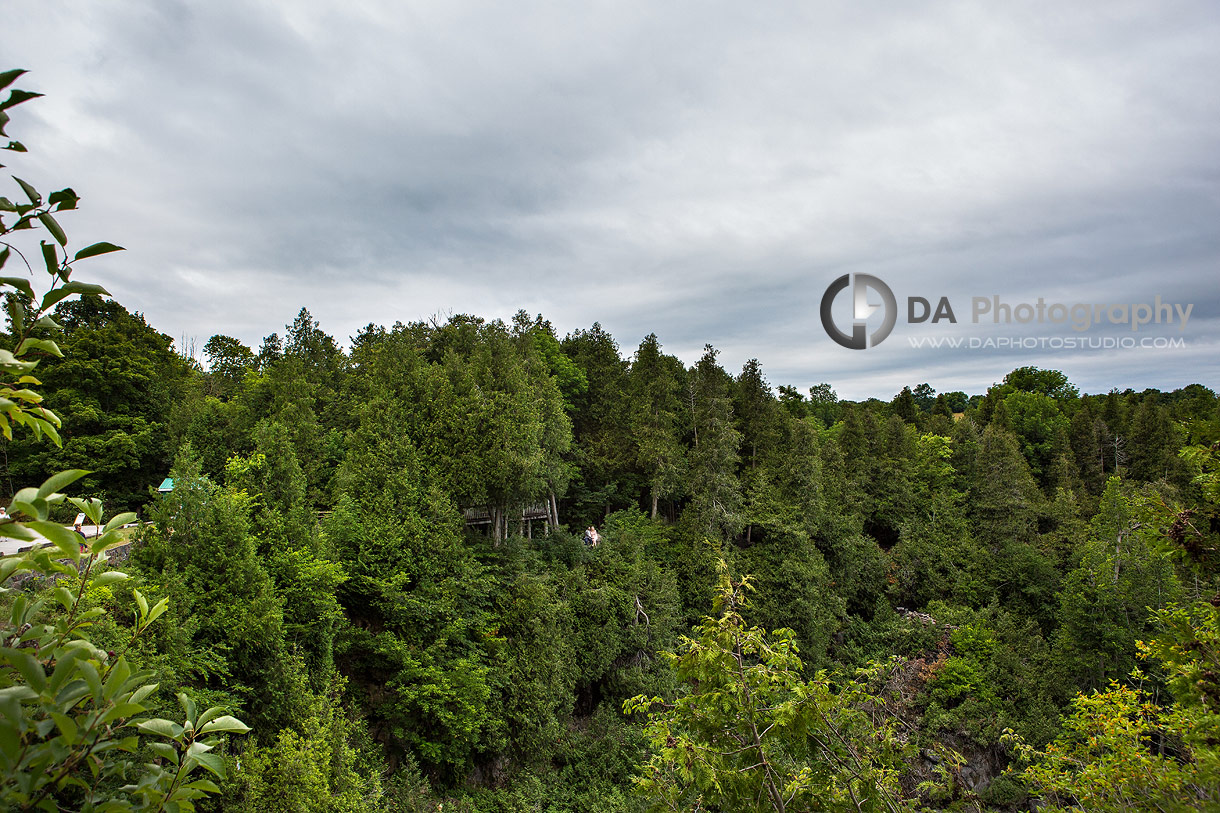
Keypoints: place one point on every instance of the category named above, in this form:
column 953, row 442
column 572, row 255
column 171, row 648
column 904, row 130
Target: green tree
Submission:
column 655, row 382
column 749, row 733
column 602, row 449
column 415, row 651
column 1121, row 750
column 1041, row 431
column 1105, row 602
column 905, row 406
column 228, row 362
column 201, row 548
column 1004, row 507
column 715, row 490
column 824, row 404
column 115, row 388
column 761, row 424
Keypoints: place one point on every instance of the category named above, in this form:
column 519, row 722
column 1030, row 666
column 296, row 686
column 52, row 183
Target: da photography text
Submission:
column 875, row 312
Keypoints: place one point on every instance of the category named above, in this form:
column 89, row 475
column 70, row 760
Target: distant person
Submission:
column 592, row 537
column 82, row 538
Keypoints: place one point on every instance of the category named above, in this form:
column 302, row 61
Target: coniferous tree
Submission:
column 715, row 489
column 655, row 384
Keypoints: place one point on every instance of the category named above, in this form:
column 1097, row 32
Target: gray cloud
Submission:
column 701, row 171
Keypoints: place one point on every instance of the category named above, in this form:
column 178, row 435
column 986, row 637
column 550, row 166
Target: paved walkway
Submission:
column 9, row 546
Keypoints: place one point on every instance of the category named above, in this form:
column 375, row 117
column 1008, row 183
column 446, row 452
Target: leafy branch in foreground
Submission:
column 71, row 725
column 751, row 734
column 30, row 315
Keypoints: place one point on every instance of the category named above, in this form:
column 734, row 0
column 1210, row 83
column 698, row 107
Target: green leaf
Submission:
column 95, row 250
column 188, row 707
column 119, row 520
column 67, row 541
column 49, row 258
column 8, row 77
column 209, row 715
column 110, row 577
column 65, row 667
column 89, row 615
column 8, row 360
column 213, row 763
column 203, row 784
column 10, row 566
column 45, row 345
column 58, row 481
column 52, row 225
column 65, row 598
column 144, row 691
column 225, row 723
column 29, row 667
column 66, row 725
column 16, row 312
column 46, row 427
column 117, row 677
column 199, row 747
column 15, row 530
column 158, row 610
column 91, row 507
column 122, row 711
column 161, row 728
column 92, row 678
column 165, row 751
column 30, row 192
column 16, row 97
column 63, row 200
column 64, row 291
column 16, row 146
column 19, row 692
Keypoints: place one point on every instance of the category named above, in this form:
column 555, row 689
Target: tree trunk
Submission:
column 655, row 498
column 497, row 533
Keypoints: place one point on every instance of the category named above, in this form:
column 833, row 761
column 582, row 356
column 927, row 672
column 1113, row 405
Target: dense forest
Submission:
column 358, row 568
column 372, row 556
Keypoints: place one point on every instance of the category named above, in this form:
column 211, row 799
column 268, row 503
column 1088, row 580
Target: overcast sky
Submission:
column 699, row 170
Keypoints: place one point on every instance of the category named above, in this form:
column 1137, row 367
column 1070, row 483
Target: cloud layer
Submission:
column 701, row 171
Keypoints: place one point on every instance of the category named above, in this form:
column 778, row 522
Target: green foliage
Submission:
column 714, row 486
column 1040, row 428
column 228, row 363
column 751, row 734
column 994, row 675
column 113, row 388
column 67, row 707
column 317, row 768
column 602, row 446
column 655, row 420
column 1105, row 602
column 200, row 548
column 1103, row 760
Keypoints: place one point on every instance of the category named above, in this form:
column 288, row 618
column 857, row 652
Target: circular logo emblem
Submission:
column 859, row 338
